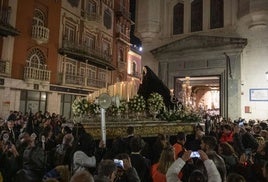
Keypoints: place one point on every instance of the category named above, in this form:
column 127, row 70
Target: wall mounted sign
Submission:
column 258, row 94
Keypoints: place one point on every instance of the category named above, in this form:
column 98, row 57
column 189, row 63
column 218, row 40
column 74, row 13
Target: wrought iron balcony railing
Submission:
column 86, row 50
column 40, row 34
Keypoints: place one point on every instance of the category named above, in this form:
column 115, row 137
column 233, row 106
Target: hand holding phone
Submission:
column 119, row 163
column 195, row 154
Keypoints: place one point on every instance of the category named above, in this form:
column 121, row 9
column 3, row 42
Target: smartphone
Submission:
column 248, row 151
column 119, row 163
column 195, row 154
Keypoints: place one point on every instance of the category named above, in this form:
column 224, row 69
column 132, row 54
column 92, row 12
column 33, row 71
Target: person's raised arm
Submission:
column 212, row 171
column 175, row 168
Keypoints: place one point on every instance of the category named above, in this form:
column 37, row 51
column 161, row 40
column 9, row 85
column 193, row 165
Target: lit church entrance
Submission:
column 200, row 92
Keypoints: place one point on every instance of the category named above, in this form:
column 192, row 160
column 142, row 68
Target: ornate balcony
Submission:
column 123, row 37
column 5, row 28
column 82, row 52
column 37, row 73
column 80, row 81
column 91, row 16
column 4, row 68
column 40, row 34
column 122, row 11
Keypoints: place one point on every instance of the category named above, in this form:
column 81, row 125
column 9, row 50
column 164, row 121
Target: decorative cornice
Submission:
column 194, row 42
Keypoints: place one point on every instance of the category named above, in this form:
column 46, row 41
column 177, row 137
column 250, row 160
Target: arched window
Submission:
column 196, row 15
column 36, row 58
column 134, row 67
column 216, row 15
column 121, row 55
column 178, row 18
column 39, row 18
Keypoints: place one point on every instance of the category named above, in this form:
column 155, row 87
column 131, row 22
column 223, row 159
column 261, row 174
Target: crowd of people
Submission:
column 39, row 148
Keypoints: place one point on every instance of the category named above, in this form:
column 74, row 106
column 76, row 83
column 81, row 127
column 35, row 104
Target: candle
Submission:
column 171, row 92
column 127, row 89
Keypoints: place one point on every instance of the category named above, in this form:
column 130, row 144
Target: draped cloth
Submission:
column 151, row 83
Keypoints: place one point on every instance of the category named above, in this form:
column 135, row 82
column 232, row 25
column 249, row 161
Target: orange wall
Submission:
column 24, row 41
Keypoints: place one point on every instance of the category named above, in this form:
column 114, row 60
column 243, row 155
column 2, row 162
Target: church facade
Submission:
column 223, row 38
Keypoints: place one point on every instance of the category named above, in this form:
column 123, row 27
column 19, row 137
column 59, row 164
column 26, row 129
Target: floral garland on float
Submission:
column 183, row 114
column 137, row 108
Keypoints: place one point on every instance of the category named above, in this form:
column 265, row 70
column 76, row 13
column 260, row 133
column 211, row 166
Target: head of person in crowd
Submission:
column 256, row 129
column 264, row 134
column 46, row 121
column 24, row 138
column 235, row 177
column 251, row 122
column 106, row 171
column 199, row 132
column 82, row 176
column 264, row 125
column 68, row 139
column 136, row 143
column 208, row 143
column 66, row 129
column 181, row 138
column 197, row 176
column 261, row 143
column 10, row 124
column 125, row 170
column 167, row 157
column 130, row 131
column 161, row 140
column 227, row 129
column 78, row 130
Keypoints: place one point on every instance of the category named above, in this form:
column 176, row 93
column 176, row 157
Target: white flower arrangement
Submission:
column 155, row 102
column 94, row 109
column 114, row 110
column 80, row 106
column 137, row 104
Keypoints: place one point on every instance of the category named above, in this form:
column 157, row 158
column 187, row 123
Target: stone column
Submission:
column 148, row 19
column 206, row 15
column 187, row 17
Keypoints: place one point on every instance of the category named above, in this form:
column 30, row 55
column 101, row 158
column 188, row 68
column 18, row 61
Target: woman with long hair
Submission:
column 159, row 169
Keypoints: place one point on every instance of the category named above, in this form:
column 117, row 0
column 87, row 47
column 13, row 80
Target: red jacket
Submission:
column 156, row 175
column 227, row 137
